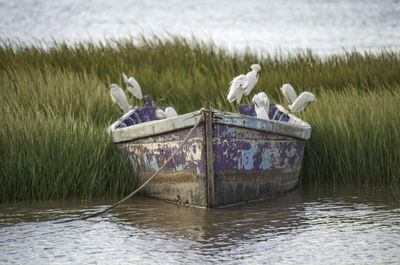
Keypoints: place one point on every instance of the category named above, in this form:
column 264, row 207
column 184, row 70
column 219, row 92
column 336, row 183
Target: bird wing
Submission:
column 239, row 98
column 289, row 93
column 238, row 85
column 134, row 88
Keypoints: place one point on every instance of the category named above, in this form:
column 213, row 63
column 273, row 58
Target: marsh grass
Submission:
column 55, row 109
column 355, row 138
column 53, row 138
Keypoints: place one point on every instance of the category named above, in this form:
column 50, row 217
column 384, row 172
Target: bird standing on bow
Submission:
column 243, row 84
column 297, row 103
column 261, row 105
column 133, row 87
column 118, row 96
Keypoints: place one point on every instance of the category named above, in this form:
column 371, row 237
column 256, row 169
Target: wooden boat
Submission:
column 229, row 158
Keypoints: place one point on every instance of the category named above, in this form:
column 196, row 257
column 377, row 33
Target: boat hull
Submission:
column 247, row 164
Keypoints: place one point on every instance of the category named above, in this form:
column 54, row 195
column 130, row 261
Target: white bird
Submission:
column 118, row 96
column 261, row 107
column 243, row 84
column 296, row 104
column 302, row 102
column 168, row 113
column 133, row 87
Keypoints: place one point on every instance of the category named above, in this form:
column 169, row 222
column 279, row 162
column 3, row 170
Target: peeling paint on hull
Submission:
column 248, row 163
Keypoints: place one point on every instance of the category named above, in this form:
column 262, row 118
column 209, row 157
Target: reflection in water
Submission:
column 299, row 227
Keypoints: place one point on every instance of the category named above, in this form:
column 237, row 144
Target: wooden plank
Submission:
column 300, row 130
column 152, row 128
column 210, row 160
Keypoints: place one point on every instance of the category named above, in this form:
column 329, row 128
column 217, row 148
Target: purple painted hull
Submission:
column 249, row 159
column 183, row 180
column 249, row 164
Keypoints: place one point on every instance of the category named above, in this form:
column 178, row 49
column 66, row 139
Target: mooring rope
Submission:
column 148, row 181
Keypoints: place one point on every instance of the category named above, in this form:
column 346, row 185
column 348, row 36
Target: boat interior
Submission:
column 148, row 113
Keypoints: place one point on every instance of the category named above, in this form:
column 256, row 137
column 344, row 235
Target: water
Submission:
column 324, row 26
column 301, row 227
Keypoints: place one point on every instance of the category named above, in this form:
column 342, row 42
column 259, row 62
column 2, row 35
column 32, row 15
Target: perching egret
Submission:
column 118, row 96
column 243, row 84
column 168, row 113
column 297, row 104
column 133, row 87
column 261, row 107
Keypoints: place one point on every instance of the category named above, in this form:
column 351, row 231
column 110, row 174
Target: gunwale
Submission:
column 295, row 127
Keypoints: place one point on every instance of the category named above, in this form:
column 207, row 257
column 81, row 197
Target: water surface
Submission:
column 301, row 227
column 324, row 26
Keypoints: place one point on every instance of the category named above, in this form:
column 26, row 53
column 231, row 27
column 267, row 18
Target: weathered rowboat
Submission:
column 228, row 158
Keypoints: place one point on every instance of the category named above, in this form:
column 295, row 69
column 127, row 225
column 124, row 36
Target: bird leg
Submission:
column 134, row 101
